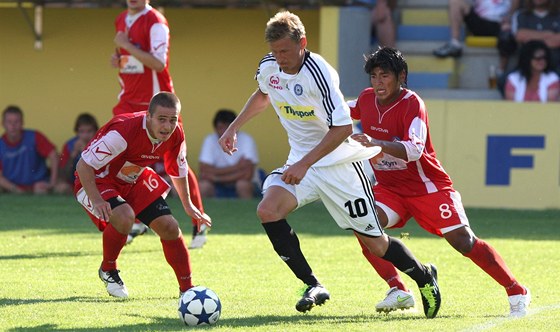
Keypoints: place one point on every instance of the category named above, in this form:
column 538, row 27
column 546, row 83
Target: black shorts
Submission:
column 481, row 27
column 157, row 209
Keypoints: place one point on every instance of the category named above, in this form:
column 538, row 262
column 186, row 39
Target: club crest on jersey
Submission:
column 298, row 90
column 294, row 112
column 274, row 82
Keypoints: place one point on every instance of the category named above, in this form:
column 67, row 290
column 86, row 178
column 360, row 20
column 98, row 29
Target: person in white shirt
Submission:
column 223, row 175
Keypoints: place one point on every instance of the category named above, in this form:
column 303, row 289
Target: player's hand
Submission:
column 228, row 141
column 206, row 220
column 121, row 39
column 102, row 210
column 294, row 174
column 115, row 60
column 364, row 139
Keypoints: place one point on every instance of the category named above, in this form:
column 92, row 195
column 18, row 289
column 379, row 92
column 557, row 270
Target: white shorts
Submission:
column 345, row 190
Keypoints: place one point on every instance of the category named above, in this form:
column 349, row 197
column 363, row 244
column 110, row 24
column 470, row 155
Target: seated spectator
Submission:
column 534, row 79
column 481, row 17
column 382, row 24
column 23, row 157
column 222, row 175
column 539, row 20
column 85, row 128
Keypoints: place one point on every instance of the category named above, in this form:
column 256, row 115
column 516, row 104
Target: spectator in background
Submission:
column 539, row 20
column 24, row 154
column 222, row 175
column 85, row 128
column 382, row 24
column 535, row 78
column 142, row 57
column 481, row 17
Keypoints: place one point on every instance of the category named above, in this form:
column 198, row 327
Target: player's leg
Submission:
column 278, row 201
column 158, row 216
column 198, row 236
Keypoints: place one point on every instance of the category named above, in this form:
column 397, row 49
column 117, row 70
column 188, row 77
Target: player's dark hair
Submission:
column 164, row 99
column 12, row 109
column 224, row 116
column 526, row 54
column 85, row 119
column 388, row 59
column 284, row 24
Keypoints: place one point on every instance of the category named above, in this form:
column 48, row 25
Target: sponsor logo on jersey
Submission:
column 146, row 156
column 298, row 89
column 381, row 130
column 303, row 113
column 274, row 82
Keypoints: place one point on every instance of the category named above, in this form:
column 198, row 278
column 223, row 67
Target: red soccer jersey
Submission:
column 406, row 121
column 149, row 32
column 122, row 149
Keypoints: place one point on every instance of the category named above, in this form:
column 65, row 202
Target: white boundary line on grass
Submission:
column 499, row 321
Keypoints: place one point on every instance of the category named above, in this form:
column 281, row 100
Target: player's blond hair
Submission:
column 284, row 24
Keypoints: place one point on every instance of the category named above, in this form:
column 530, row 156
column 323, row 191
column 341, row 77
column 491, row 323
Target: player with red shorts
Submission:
column 411, row 181
column 142, row 57
column 116, row 186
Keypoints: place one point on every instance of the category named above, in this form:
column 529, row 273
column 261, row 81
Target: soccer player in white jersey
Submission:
column 323, row 162
column 411, row 182
column 115, row 185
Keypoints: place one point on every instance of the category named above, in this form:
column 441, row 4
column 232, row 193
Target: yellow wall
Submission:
column 214, row 55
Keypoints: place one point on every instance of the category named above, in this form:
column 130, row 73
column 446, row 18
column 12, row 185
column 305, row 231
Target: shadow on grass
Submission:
column 232, row 216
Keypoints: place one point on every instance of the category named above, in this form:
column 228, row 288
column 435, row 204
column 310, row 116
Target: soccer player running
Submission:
column 115, row 186
column 411, row 181
column 142, row 57
column 323, row 162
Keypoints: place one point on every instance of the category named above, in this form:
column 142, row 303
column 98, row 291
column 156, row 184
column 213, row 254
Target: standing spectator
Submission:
column 323, row 162
column 411, row 183
column 223, row 175
column 24, row 154
column 535, row 78
column 539, row 20
column 142, row 57
column 482, row 18
column 129, row 189
column 85, row 128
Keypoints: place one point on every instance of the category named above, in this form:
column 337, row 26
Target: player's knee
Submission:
column 166, row 227
column 265, row 212
column 461, row 240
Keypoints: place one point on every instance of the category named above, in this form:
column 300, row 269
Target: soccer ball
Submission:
column 199, row 306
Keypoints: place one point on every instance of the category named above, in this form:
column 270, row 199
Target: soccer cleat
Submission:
column 199, row 239
column 137, row 229
column 431, row 297
column 448, row 50
column 518, row 304
column 114, row 283
column 396, row 299
column 313, row 295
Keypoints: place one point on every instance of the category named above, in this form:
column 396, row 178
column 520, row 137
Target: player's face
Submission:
column 385, row 84
column 289, row 53
column 13, row 125
column 162, row 123
column 136, row 6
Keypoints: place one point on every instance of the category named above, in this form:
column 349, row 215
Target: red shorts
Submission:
column 124, row 107
column 138, row 195
column 438, row 213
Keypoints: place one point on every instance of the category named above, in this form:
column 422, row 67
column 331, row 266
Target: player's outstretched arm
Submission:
column 256, row 104
column 182, row 187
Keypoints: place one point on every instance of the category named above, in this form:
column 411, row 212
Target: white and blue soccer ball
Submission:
column 199, row 306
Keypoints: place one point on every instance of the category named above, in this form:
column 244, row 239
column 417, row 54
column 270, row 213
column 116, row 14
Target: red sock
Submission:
column 384, row 268
column 177, row 256
column 488, row 259
column 194, row 192
column 113, row 242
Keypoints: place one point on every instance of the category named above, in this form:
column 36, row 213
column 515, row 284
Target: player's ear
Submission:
column 303, row 42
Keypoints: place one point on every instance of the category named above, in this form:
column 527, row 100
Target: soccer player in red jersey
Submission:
column 142, row 57
column 116, row 186
column 411, row 181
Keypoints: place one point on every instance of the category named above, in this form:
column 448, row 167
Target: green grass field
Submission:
column 50, row 253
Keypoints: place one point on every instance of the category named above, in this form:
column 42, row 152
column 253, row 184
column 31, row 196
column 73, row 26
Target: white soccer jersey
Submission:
column 308, row 104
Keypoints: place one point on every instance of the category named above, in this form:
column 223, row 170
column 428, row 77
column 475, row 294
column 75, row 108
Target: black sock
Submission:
column 286, row 244
column 404, row 260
